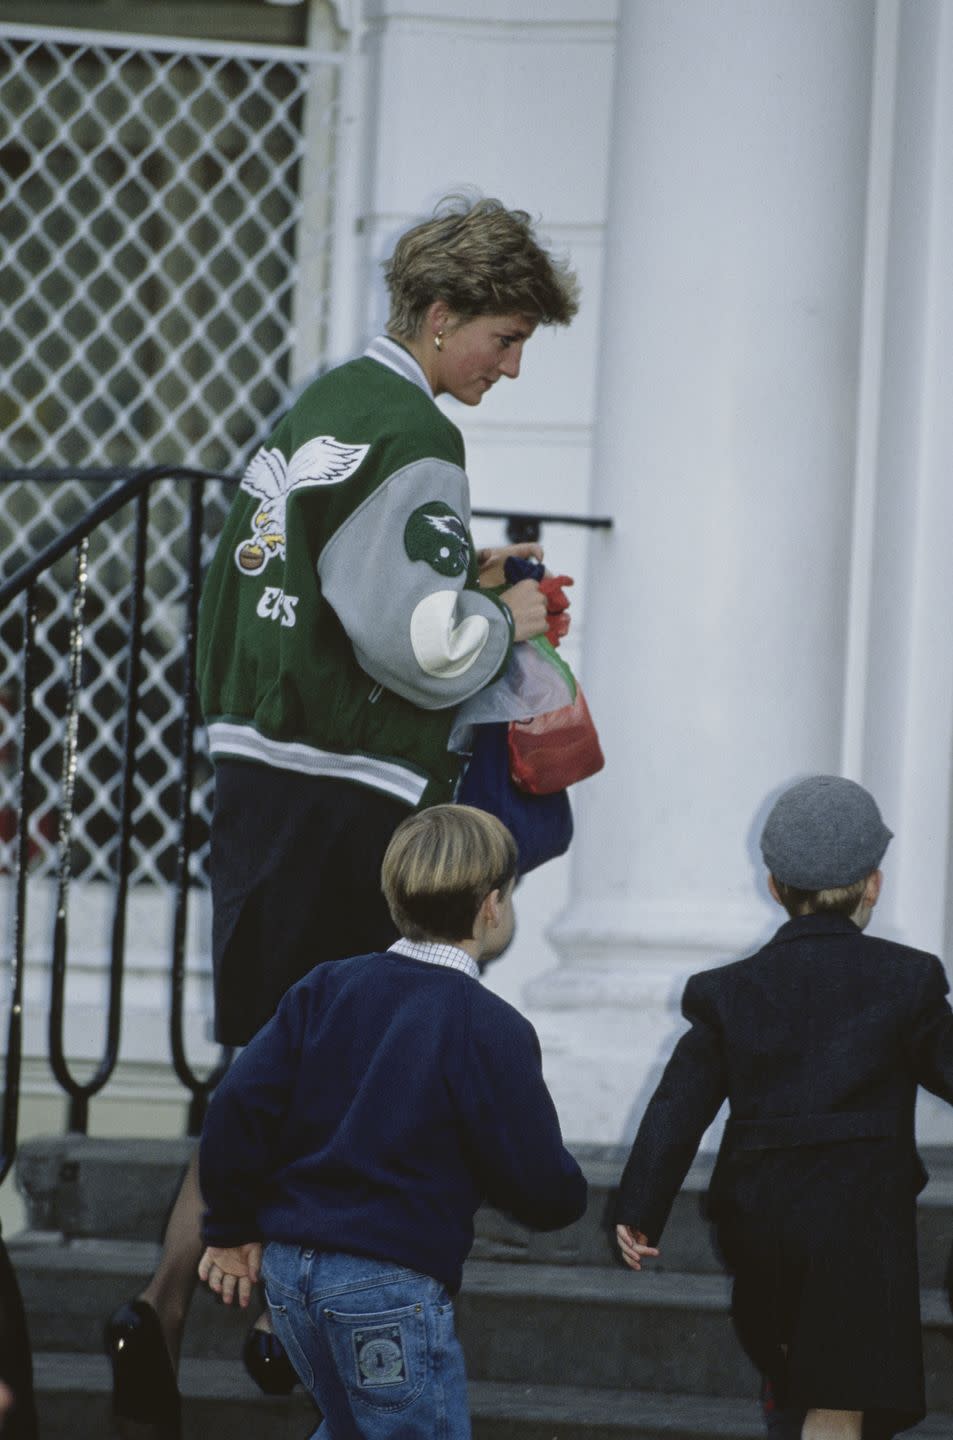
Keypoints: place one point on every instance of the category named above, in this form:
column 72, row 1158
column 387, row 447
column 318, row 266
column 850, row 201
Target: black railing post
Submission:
column 127, row 798
column 200, row 1090
column 14, row 1057
column 58, row 1063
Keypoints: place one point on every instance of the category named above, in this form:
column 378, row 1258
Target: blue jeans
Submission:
column 372, row 1341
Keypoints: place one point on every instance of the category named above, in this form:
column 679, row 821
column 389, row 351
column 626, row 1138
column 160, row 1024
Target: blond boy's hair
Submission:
column 838, row 900
column 440, row 866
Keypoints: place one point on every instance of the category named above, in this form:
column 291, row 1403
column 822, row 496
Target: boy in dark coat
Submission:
column 357, row 1134
column 818, row 1042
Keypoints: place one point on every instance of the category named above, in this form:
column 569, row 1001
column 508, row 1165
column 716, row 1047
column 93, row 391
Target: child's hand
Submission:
column 633, row 1245
column 232, row 1270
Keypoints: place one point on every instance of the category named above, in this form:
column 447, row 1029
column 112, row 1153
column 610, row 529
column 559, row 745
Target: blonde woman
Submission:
column 345, row 619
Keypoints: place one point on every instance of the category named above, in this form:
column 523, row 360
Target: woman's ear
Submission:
column 874, row 883
column 437, row 318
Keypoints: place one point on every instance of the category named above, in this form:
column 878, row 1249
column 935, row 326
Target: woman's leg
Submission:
column 833, row 1425
column 169, row 1292
column 144, row 1336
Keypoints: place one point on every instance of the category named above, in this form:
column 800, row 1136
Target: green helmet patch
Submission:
column 436, row 535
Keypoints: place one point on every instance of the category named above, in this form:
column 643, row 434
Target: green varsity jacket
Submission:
column 341, row 623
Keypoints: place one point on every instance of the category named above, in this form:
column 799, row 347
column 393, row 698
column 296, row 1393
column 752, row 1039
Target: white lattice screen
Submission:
column 167, row 218
column 157, row 257
column 37, row 509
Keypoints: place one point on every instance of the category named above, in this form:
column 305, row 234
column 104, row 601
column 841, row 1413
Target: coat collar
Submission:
column 815, row 927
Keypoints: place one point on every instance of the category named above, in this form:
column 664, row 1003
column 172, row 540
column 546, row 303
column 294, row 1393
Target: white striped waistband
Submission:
column 244, row 743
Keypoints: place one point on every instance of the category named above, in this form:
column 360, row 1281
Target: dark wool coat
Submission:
column 818, row 1042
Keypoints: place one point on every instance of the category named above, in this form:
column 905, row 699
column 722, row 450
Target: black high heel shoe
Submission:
column 266, row 1361
column 144, row 1384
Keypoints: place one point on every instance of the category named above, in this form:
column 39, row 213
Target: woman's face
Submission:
column 475, row 353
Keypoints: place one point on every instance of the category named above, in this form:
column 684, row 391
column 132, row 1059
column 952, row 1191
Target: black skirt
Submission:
column 295, row 871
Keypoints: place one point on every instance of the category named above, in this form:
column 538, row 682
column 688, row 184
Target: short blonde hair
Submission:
column 481, row 259
column 838, row 900
column 440, row 866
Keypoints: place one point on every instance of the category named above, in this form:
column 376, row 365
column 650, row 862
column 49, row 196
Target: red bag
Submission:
column 554, row 750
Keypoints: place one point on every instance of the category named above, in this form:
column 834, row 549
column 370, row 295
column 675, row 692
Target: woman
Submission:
column 345, row 619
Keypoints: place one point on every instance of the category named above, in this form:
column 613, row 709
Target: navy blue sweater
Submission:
column 384, row 1102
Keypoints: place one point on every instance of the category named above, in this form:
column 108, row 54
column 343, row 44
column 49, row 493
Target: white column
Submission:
column 904, row 698
column 907, row 737
column 724, row 448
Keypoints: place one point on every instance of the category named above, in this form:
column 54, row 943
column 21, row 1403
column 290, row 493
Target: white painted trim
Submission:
column 345, row 320
column 348, row 14
column 527, row 31
column 869, row 400
column 167, row 44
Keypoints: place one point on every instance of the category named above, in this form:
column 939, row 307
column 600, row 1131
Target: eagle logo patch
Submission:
column 322, row 461
column 436, row 535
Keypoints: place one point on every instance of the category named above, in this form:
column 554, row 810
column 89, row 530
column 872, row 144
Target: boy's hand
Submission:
column 633, row 1245
column 232, row 1270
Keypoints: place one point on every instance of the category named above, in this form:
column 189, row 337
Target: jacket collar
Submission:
column 815, row 927
column 387, row 352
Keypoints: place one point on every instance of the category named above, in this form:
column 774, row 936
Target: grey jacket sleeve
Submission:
column 396, row 574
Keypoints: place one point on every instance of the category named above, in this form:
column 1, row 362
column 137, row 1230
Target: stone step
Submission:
column 670, row 1332
column 538, row 1325
column 219, row 1401
column 122, row 1189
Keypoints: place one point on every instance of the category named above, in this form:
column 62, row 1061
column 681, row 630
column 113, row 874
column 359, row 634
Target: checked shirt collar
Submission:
column 431, row 953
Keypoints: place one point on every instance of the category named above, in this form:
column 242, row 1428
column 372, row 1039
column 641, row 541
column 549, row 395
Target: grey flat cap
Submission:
column 824, row 832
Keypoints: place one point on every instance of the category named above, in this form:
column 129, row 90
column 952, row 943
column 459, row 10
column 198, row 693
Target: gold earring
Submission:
column 438, row 340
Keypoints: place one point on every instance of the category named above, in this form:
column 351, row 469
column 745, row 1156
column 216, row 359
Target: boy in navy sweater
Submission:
column 360, row 1130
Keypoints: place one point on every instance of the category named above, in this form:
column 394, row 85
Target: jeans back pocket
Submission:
column 380, row 1356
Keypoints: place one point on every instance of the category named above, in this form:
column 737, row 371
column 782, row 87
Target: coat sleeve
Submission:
column 401, row 576
column 930, row 1040
column 688, row 1097
column 511, row 1127
column 238, row 1148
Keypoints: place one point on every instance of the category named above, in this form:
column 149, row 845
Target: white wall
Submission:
column 509, row 98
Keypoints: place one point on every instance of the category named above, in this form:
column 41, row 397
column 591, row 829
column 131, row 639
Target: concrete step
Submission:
column 535, row 1312
column 536, row 1325
column 219, row 1401
column 671, row 1332
column 122, row 1189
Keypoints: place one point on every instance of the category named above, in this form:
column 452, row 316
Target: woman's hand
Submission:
column 232, row 1270
column 527, row 605
column 491, row 562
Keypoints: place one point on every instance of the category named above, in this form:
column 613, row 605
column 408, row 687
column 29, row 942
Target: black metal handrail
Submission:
column 524, row 525
column 128, row 487
column 520, row 524
column 130, row 482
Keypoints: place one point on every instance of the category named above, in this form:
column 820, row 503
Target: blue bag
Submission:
column 541, row 825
